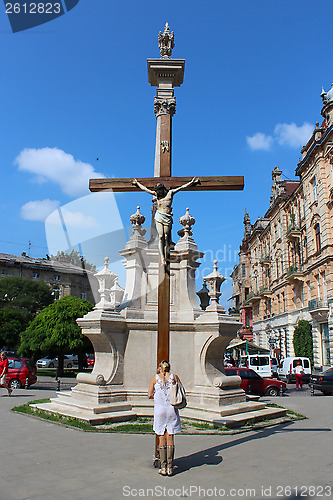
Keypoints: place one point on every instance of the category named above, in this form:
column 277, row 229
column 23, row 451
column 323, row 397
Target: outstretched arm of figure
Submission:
column 193, row 182
column 141, row 186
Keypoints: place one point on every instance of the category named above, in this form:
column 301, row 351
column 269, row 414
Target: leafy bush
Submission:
column 303, row 343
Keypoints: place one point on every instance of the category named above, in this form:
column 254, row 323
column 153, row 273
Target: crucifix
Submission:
column 165, row 74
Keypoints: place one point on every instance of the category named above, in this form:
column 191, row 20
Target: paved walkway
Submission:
column 41, row 460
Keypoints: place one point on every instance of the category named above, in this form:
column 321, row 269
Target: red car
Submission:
column 18, row 371
column 91, row 361
column 252, row 383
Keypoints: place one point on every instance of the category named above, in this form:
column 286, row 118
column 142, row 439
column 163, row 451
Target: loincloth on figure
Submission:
column 163, row 218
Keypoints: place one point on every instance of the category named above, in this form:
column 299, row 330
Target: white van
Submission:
column 260, row 363
column 287, row 366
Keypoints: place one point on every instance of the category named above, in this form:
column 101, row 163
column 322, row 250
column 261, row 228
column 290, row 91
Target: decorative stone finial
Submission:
column 105, row 279
column 215, row 280
column 203, row 295
column 117, row 293
column 187, row 221
column 278, row 184
column 247, row 224
column 327, row 96
column 137, row 220
column 166, row 42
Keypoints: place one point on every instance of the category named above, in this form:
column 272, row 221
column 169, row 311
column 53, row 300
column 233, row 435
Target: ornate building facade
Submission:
column 285, row 270
column 63, row 278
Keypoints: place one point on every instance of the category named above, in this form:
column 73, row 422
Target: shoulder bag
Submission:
column 177, row 395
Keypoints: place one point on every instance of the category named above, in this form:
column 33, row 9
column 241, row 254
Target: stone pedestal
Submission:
column 125, row 342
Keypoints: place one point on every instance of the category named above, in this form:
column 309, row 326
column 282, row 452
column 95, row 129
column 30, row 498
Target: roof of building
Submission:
column 45, row 264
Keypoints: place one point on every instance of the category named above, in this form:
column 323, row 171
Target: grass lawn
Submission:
column 144, row 425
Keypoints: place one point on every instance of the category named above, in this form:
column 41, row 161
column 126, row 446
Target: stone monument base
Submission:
column 82, row 406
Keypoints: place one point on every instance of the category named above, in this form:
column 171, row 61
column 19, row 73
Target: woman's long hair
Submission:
column 164, row 366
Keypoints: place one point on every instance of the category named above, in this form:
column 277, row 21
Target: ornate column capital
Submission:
column 164, row 106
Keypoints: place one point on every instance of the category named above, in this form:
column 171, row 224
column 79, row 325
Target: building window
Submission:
column 84, row 295
column 302, row 295
column 279, row 303
column 325, row 344
column 56, row 277
column 243, row 271
column 314, row 189
column 277, row 268
column 318, row 285
column 4, row 271
column 317, row 237
column 323, row 275
column 35, row 276
column 56, row 293
column 283, row 302
column 84, row 282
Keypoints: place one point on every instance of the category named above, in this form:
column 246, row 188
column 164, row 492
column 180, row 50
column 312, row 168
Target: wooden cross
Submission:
column 165, row 74
column 206, row 184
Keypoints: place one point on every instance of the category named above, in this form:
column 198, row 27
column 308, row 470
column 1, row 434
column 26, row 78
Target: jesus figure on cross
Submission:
column 163, row 215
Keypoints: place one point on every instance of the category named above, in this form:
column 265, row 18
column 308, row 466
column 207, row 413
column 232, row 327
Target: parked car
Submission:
column 323, row 382
column 47, row 362
column 260, row 363
column 91, row 360
column 18, row 371
column 253, row 383
column 287, row 366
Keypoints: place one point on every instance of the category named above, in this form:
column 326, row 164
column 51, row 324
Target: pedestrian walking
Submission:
column 166, row 417
column 299, row 375
column 3, row 372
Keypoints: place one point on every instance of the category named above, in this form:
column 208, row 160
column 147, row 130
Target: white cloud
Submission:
column 260, row 141
column 285, row 134
column 54, row 165
column 72, row 219
column 38, row 210
column 289, row 134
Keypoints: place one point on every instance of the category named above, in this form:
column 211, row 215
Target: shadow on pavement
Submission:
column 210, row 456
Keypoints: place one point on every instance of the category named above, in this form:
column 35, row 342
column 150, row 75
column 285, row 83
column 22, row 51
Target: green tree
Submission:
column 302, row 340
column 20, row 300
column 74, row 258
column 12, row 323
column 54, row 331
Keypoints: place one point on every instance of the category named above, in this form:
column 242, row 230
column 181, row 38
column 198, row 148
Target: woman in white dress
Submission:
column 166, row 416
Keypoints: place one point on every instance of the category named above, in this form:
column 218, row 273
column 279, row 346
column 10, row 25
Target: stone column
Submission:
column 165, row 74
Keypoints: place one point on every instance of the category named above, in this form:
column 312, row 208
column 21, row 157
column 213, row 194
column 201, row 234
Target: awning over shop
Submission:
column 244, row 346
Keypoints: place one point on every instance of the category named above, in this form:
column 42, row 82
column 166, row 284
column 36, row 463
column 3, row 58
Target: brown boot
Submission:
column 170, row 455
column 163, row 460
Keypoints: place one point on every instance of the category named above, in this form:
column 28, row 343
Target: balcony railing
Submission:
column 252, row 297
column 315, row 304
column 293, row 269
column 265, row 259
column 265, row 290
column 295, row 273
column 293, row 232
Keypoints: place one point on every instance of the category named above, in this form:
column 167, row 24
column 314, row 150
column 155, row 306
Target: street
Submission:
column 42, row 460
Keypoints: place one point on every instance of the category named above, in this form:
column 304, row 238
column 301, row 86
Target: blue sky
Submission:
column 250, row 97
